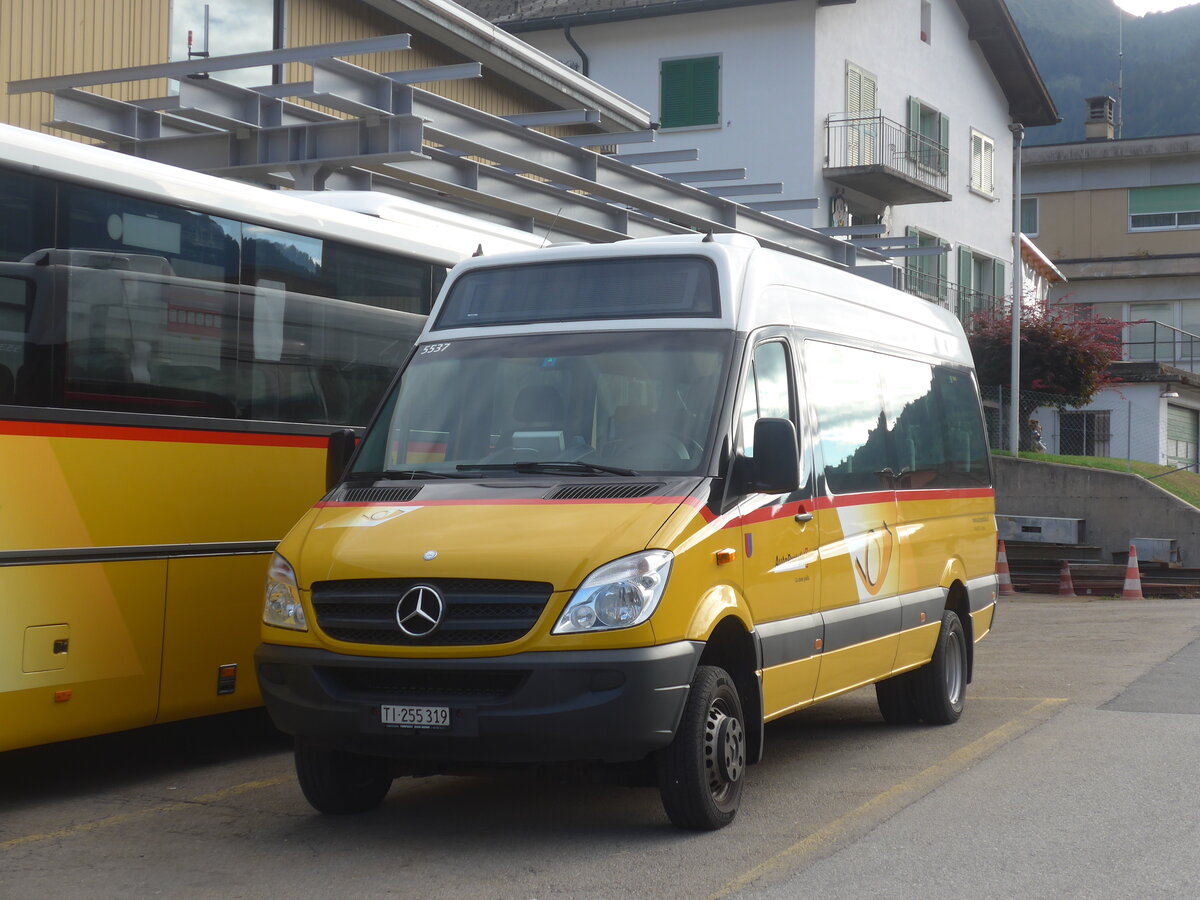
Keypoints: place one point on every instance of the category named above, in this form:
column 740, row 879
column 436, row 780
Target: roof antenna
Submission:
column 478, row 251
column 708, row 237
column 550, row 227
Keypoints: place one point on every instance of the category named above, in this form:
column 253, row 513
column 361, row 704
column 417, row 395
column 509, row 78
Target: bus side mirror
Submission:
column 775, row 467
column 337, row 456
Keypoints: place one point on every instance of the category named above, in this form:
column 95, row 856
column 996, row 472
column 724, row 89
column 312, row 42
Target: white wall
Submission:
column 783, row 71
column 766, row 86
column 949, row 74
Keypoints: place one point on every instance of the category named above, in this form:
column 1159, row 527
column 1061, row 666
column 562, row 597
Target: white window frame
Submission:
column 1037, row 216
column 983, row 164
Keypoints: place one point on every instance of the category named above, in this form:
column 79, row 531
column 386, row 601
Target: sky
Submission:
column 1141, row 7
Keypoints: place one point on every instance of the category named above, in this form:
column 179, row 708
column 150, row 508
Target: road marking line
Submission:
column 897, row 797
column 202, row 800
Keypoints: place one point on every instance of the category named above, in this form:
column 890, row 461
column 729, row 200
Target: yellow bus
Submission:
column 626, row 504
column 175, row 350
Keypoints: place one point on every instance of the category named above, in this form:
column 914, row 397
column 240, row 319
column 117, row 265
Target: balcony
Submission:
column 963, row 302
column 881, row 158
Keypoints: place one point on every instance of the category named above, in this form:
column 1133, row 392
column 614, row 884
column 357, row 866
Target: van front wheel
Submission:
column 700, row 773
column 940, row 687
column 335, row 781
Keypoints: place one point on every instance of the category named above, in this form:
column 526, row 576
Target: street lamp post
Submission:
column 1018, row 288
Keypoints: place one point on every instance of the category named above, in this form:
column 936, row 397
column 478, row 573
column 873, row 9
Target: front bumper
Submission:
column 601, row 705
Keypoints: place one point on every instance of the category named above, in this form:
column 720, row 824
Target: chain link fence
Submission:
column 1130, row 423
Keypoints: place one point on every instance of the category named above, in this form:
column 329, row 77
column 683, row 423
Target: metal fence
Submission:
column 1152, row 341
column 870, row 139
column 1112, row 426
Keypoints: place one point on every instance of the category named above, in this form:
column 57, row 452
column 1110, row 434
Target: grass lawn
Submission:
column 1184, row 485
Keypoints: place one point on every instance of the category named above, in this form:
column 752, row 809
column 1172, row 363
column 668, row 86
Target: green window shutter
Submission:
column 690, row 92
column 944, row 140
column 999, row 279
column 965, row 258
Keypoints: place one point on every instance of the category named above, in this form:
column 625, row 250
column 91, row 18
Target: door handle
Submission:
column 804, row 517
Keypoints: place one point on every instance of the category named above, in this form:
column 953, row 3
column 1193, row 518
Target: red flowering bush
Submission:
column 1062, row 352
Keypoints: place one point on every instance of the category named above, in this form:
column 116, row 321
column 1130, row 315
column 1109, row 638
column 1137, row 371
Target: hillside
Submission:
column 1075, row 46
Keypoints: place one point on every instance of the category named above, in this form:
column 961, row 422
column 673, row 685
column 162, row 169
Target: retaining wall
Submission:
column 1115, row 507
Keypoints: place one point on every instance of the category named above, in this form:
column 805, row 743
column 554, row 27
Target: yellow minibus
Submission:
column 625, row 504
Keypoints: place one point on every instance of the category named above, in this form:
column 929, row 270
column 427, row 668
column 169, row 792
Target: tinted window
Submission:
column 189, row 244
column 926, row 433
column 845, row 388
column 143, row 342
column 582, row 289
column 26, row 215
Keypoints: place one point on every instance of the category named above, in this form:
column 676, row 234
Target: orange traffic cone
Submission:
column 1066, row 587
column 1006, row 587
column 1133, row 578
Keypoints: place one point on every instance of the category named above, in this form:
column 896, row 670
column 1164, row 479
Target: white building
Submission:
column 1121, row 220
column 877, row 112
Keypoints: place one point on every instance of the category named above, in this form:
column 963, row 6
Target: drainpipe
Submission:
column 583, row 57
column 1018, row 285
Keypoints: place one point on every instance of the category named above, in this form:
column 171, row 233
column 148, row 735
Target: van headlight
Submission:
column 283, row 608
column 619, row 594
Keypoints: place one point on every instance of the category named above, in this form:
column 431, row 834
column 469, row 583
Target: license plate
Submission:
column 416, row 716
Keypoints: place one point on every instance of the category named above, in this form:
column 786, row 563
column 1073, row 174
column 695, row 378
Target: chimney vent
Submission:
column 1099, row 125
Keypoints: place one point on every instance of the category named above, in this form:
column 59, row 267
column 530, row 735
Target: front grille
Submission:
column 421, row 685
column 601, row 491
column 477, row 611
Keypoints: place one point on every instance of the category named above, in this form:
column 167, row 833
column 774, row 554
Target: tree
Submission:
column 1063, row 353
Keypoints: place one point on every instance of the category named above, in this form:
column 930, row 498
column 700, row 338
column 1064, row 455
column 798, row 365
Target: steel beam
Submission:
column 556, row 117
column 706, row 175
column 184, row 68
column 746, row 190
column 657, row 157
column 772, row 205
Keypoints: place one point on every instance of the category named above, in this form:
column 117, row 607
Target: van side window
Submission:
column 967, row 461
column 767, row 394
column 845, row 388
column 926, row 433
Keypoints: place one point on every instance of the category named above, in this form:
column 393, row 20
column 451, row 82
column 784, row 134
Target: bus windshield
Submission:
column 641, row 402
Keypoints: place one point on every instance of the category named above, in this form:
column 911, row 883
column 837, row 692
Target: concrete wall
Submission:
column 1116, row 507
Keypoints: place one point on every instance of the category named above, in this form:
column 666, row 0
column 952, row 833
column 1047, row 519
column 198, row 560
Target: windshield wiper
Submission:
column 548, row 466
column 414, row 474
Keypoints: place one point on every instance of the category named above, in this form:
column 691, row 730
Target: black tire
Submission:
column 896, row 699
column 335, row 781
column 701, row 772
column 940, row 688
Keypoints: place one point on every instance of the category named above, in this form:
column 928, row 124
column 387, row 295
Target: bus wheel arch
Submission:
column 732, row 648
column 958, row 602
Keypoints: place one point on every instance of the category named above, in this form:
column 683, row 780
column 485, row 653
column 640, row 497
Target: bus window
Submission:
column 26, row 215
column 15, row 297
column 195, row 244
column 370, row 277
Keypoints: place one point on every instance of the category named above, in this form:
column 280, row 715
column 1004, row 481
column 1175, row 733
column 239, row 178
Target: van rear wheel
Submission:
column 897, row 699
column 700, row 773
column 940, row 687
column 336, row 781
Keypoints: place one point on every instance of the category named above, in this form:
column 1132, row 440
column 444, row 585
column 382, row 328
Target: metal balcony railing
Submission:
column 963, row 302
column 1154, row 341
column 870, row 141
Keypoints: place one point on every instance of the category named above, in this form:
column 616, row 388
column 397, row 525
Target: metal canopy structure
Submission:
column 387, row 135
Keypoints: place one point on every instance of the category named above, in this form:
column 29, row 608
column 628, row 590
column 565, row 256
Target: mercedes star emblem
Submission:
column 420, row 611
